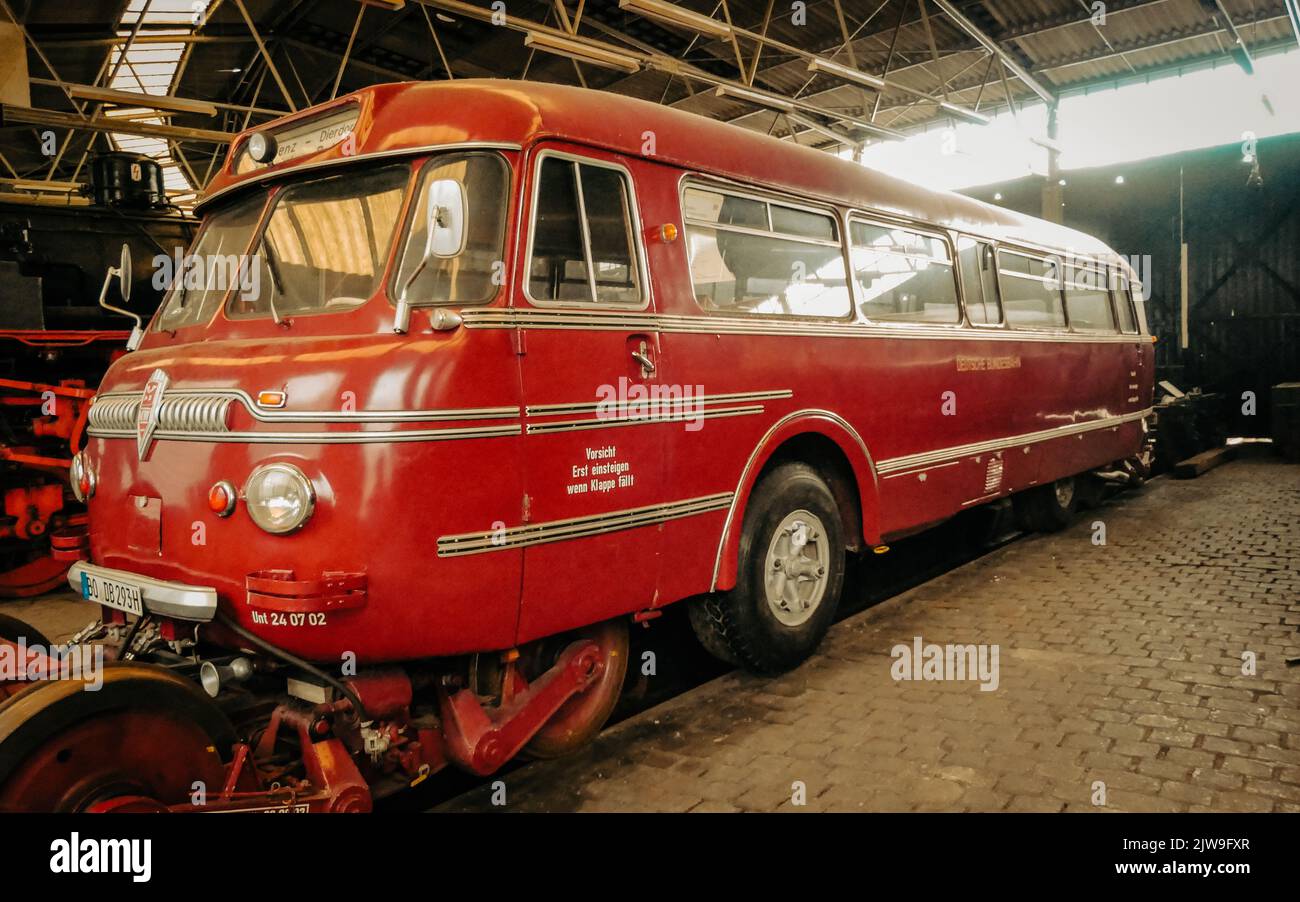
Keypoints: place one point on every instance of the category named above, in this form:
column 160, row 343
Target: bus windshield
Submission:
column 322, row 246
column 196, row 289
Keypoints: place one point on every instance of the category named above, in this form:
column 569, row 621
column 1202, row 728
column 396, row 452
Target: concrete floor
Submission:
column 59, row 615
column 1120, row 687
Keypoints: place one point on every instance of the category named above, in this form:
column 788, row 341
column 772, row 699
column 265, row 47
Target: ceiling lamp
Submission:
column 771, row 101
column 675, row 15
column 848, row 73
column 582, row 52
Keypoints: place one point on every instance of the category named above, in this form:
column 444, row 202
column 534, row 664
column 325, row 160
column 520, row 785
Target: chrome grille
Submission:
column 178, row 413
column 993, row 476
column 114, row 413
column 194, row 413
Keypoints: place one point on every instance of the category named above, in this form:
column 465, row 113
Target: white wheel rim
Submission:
column 1064, row 492
column 796, row 567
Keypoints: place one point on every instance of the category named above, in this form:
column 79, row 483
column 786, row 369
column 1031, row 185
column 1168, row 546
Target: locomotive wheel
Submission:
column 791, row 574
column 13, row 629
column 1049, row 508
column 139, row 742
column 581, row 717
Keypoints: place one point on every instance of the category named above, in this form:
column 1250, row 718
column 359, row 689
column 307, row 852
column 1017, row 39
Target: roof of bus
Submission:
column 415, row 115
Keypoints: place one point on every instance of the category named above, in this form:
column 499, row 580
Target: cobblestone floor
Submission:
column 1120, row 664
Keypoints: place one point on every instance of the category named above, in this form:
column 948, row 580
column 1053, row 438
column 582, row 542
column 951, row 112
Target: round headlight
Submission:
column 262, row 147
column 81, row 477
column 279, row 497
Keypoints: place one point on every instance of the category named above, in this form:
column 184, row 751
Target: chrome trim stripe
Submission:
column 316, row 416
column 578, row 527
column 675, row 401
column 166, row 599
column 325, row 438
column 756, row 325
column 898, row 466
column 925, row 469
column 678, row 417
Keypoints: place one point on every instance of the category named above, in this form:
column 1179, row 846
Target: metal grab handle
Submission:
column 642, row 357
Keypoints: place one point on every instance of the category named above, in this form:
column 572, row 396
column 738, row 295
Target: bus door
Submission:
column 594, row 446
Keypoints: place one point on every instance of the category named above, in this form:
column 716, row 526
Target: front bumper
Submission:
column 166, row 599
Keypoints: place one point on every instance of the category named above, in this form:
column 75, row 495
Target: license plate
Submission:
column 112, row 594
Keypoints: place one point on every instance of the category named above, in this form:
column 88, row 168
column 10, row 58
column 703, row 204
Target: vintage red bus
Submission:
column 462, row 378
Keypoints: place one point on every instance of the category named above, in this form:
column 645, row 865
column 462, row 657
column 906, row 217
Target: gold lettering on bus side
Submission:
column 975, row 364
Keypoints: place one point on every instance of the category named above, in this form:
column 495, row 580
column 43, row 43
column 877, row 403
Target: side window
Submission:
column 752, row 256
column 1031, row 290
column 1124, row 304
column 1139, row 306
column 1087, row 300
column 904, row 276
column 979, row 281
column 583, row 245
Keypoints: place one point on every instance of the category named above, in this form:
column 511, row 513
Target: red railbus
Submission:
column 459, row 379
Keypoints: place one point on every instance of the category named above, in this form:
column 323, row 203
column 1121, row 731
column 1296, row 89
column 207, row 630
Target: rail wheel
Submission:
column 791, row 574
column 138, row 743
column 13, row 629
column 581, row 717
column 34, row 576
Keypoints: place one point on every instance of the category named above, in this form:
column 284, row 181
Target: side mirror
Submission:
column 446, row 211
column 445, row 218
column 123, row 274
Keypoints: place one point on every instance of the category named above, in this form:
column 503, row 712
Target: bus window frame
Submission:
column 638, row 236
column 992, row 245
column 1122, row 293
column 1095, row 267
column 868, row 218
column 1059, row 259
column 720, row 185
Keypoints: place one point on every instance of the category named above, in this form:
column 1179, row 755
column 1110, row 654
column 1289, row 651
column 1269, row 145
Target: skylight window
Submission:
column 150, row 68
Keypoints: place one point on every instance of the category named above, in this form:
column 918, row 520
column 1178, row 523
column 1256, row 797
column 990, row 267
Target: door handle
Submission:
column 642, row 356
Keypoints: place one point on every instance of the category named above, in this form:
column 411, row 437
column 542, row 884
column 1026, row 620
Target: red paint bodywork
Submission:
column 382, row 507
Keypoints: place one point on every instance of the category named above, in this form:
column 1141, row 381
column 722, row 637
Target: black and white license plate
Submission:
column 112, row 593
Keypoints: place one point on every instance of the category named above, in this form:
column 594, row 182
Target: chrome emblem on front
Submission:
column 146, row 420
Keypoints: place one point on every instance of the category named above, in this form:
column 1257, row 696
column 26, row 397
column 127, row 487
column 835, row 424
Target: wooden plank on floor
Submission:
column 1200, row 463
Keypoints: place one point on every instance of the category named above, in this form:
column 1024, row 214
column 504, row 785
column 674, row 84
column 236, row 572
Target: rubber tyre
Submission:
column 13, row 629
column 739, row 626
column 1043, row 511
